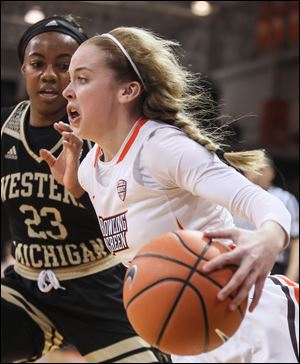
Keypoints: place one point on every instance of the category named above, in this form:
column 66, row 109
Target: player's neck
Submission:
column 38, row 119
column 116, row 136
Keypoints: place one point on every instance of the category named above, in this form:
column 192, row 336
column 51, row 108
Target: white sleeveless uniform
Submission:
column 160, row 181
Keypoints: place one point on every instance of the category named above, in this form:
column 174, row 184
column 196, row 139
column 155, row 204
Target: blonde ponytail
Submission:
column 245, row 161
column 248, row 161
column 171, row 93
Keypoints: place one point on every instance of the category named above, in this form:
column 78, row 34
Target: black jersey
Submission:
column 48, row 226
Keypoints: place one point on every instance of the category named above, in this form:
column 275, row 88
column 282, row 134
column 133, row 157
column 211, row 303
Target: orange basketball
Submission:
column 171, row 303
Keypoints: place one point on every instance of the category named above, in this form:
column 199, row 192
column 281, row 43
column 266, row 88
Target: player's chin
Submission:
column 79, row 127
column 74, row 122
column 49, row 107
column 78, row 131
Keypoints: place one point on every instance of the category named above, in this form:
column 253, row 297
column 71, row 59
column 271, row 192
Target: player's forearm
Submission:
column 275, row 234
column 77, row 190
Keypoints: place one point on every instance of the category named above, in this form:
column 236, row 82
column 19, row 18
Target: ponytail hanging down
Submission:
column 172, row 94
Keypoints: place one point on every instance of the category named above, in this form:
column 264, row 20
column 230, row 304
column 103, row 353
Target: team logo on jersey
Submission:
column 114, row 229
column 122, row 189
column 11, row 154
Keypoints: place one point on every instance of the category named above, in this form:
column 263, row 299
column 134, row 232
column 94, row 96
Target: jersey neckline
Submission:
column 125, row 147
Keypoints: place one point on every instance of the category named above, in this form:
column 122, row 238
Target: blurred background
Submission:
column 248, row 50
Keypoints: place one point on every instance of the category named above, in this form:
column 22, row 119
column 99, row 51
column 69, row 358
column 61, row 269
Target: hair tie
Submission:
column 220, row 153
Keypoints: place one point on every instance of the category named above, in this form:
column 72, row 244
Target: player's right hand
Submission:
column 64, row 167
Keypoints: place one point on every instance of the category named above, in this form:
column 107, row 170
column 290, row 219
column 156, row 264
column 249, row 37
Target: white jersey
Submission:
column 289, row 201
column 161, row 181
column 268, row 335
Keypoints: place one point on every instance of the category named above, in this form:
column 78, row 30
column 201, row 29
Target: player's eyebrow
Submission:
column 62, row 55
column 79, row 69
column 82, row 68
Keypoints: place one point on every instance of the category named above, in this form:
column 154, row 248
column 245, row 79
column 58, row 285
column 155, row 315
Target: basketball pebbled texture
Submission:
column 171, row 303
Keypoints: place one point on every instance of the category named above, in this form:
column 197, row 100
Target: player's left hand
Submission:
column 255, row 255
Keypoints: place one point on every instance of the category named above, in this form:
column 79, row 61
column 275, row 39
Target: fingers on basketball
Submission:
column 172, row 303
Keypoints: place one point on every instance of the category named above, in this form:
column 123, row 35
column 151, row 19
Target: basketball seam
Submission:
column 209, row 243
column 200, row 257
column 184, row 245
column 184, row 284
column 211, row 280
column 163, row 257
column 176, row 280
column 151, row 255
column 151, row 286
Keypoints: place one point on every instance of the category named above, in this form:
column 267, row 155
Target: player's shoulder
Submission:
column 5, row 112
column 165, row 137
column 167, row 145
column 159, row 130
column 14, row 111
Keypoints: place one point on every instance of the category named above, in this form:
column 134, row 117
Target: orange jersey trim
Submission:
column 98, row 150
column 179, row 225
column 128, row 144
column 132, row 139
column 291, row 284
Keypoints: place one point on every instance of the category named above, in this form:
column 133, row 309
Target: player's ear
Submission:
column 23, row 69
column 129, row 91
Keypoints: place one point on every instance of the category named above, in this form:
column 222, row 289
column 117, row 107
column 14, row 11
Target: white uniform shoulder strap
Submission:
column 12, row 126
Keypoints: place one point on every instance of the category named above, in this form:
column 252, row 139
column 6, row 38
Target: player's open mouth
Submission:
column 73, row 116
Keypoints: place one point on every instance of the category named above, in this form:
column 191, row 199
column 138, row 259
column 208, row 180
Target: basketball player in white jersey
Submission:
column 152, row 171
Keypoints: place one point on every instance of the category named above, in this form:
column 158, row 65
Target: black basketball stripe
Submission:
column 153, row 284
column 159, row 256
column 184, row 244
column 173, row 260
column 241, row 312
column 174, row 280
column 189, row 249
column 199, row 256
column 290, row 314
column 186, row 282
column 206, row 323
column 204, row 275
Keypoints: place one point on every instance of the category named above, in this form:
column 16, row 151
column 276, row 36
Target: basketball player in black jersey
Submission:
column 65, row 287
